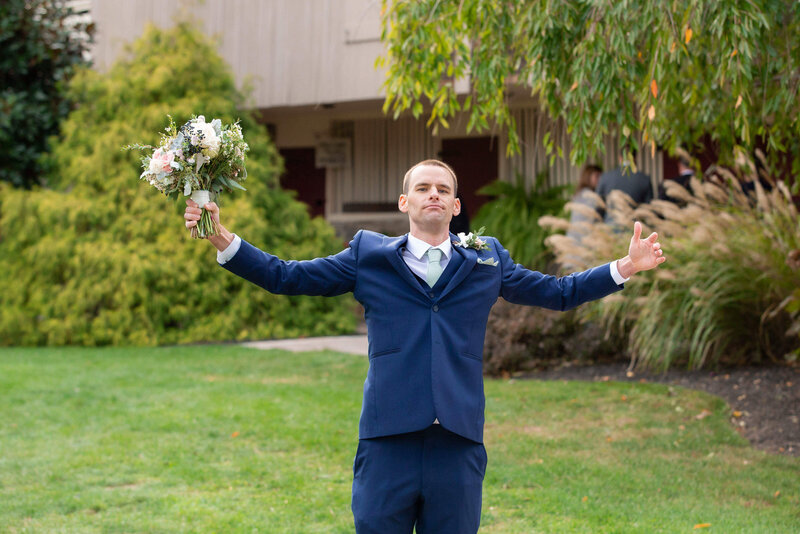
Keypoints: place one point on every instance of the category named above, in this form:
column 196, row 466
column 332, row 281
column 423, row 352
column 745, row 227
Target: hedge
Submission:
column 100, row 258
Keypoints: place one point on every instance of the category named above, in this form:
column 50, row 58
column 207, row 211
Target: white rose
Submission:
column 210, row 141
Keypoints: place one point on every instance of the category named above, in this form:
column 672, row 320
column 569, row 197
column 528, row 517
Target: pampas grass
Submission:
column 728, row 293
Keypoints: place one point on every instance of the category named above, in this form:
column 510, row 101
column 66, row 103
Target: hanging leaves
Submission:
column 545, row 51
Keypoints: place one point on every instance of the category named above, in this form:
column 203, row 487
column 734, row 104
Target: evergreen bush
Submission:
column 103, row 259
column 42, row 43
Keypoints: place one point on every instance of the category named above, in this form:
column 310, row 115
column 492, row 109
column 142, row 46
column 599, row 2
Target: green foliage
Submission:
column 513, row 217
column 39, row 51
column 104, row 259
column 672, row 70
column 726, row 291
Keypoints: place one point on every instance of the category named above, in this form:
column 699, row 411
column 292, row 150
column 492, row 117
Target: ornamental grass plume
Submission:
column 729, row 292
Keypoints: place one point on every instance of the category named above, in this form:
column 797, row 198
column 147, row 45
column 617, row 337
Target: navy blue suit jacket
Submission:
column 425, row 344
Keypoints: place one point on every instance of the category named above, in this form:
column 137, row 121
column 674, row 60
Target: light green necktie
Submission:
column 434, row 267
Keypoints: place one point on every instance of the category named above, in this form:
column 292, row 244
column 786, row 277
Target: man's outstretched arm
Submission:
column 329, row 276
column 523, row 286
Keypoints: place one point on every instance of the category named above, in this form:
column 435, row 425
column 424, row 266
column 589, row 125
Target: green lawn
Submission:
column 228, row 439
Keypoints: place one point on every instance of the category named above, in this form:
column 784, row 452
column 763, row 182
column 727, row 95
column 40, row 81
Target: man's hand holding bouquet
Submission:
column 200, row 160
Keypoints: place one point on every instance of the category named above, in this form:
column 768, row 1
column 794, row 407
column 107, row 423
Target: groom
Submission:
column 420, row 460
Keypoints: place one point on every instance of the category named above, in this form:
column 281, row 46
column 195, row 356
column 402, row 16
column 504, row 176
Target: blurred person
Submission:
column 585, row 209
column 684, row 177
column 636, row 185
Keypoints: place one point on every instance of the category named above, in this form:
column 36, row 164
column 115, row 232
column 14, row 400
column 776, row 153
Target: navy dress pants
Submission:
column 431, row 480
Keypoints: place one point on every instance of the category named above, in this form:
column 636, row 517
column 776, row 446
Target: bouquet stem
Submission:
column 206, row 226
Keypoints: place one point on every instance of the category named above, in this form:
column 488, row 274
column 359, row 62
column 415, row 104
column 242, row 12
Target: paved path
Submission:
column 356, row 344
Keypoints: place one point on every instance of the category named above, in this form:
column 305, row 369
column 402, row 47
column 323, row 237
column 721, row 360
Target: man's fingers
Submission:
column 191, row 203
column 652, row 237
column 191, row 224
column 637, row 230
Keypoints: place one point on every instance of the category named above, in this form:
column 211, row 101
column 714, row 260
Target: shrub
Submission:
column 102, row 259
column 524, row 338
column 725, row 294
column 513, row 217
column 41, row 51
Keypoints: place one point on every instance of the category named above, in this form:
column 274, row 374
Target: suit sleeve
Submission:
column 326, row 277
column 523, row 286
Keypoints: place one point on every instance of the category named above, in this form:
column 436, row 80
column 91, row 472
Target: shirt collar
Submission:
column 417, row 247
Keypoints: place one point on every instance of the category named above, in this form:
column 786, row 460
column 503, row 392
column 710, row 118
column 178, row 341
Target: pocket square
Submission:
column 488, row 261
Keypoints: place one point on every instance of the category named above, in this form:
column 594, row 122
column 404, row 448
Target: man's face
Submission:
column 430, row 202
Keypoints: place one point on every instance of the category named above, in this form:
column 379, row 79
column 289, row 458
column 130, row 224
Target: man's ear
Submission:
column 457, row 206
column 402, row 203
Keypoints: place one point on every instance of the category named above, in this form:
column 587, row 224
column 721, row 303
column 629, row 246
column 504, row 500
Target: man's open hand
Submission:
column 643, row 254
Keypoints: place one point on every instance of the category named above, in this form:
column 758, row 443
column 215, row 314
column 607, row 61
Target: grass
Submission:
column 228, row 439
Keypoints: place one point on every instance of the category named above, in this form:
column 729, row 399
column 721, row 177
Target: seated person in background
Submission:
column 636, row 185
column 685, row 174
column 585, row 196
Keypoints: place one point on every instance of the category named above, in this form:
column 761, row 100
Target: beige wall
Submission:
column 294, row 52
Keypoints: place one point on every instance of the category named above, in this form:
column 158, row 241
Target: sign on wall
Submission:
column 332, row 153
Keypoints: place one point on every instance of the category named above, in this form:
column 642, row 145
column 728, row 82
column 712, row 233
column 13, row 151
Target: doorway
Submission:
column 474, row 159
column 302, row 176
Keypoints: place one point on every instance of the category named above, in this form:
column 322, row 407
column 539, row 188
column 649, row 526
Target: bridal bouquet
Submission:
column 200, row 159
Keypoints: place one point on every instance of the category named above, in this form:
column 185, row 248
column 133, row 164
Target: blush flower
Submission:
column 161, row 161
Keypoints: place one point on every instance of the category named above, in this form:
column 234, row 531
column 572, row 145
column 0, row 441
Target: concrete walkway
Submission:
column 355, row 344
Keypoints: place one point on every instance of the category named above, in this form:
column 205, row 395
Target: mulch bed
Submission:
column 764, row 401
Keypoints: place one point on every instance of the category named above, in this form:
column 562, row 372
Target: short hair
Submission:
column 586, row 176
column 431, row 163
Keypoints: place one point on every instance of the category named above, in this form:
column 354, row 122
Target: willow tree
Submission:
column 668, row 73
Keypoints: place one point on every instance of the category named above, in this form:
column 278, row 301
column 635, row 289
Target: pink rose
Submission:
column 161, row 161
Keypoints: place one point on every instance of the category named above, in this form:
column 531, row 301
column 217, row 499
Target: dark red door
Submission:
column 475, row 161
column 302, row 176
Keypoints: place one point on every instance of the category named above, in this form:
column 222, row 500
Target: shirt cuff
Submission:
column 230, row 251
column 614, row 273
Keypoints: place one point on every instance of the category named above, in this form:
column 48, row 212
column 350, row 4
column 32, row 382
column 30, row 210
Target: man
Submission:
column 685, row 174
column 420, row 459
column 637, row 185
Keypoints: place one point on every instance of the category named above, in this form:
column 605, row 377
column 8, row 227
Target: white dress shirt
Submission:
column 416, row 258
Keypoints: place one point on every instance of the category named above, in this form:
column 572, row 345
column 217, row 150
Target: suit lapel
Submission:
column 394, row 255
column 462, row 262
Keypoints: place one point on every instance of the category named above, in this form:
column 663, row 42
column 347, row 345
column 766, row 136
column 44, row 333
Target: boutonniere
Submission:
column 472, row 240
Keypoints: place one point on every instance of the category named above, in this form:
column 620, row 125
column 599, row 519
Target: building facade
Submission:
column 311, row 66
